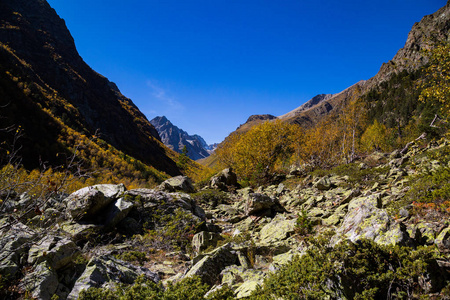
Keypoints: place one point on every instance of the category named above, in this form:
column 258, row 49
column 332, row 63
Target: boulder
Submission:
column 116, row 212
column 105, row 271
column 15, row 241
column 244, row 281
column 209, row 267
column 278, row 230
column 324, row 184
column 443, row 239
column 178, row 183
column 57, row 251
column 203, row 240
column 224, row 180
column 42, row 282
column 88, row 202
column 365, row 220
column 259, row 203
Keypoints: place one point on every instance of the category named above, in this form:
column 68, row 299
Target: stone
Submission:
column 258, row 203
column 443, row 239
column 79, row 231
column 280, row 260
column 224, row 180
column 324, row 184
column 367, row 221
column 88, row 202
column 105, row 271
column 178, row 183
column 42, row 282
column 245, row 281
column 57, row 251
column 278, row 230
column 15, row 241
column 117, row 211
column 209, row 267
column 204, row 239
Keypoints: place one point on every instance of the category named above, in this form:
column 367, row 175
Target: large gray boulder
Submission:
column 105, row 271
column 57, row 251
column 224, row 180
column 177, row 184
column 209, row 267
column 259, row 203
column 366, row 220
column 88, row 202
column 204, row 239
column 42, row 283
column 15, row 241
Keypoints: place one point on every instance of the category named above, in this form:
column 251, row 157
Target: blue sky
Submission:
column 207, row 65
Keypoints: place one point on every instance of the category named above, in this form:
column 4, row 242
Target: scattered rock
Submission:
column 177, row 184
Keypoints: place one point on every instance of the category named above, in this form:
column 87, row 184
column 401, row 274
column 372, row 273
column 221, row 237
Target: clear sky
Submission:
column 207, row 65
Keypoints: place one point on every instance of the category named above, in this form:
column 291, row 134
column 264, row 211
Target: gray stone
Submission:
column 42, row 282
column 209, row 267
column 278, row 230
column 87, row 202
column 15, row 241
column 117, row 211
column 324, row 184
column 204, row 239
column 178, row 183
column 224, row 180
column 106, row 271
column 257, row 203
column 58, row 252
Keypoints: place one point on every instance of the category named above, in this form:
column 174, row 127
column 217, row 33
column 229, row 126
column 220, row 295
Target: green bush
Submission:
column 211, row 197
column 361, row 270
column 133, row 256
column 303, row 225
column 189, row 289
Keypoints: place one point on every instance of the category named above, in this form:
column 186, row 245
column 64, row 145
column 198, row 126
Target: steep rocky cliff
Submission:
column 46, row 88
column 176, row 139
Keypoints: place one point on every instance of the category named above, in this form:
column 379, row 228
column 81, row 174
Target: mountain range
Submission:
column 176, row 139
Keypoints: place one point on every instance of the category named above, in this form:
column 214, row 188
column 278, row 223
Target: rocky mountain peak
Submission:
column 176, row 139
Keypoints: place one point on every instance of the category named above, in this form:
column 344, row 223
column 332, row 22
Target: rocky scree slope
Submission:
column 103, row 235
column 176, row 139
column 46, row 88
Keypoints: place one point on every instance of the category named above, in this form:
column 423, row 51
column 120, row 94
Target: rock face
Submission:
column 176, row 139
column 36, row 48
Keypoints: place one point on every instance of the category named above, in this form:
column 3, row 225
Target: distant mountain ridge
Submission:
column 176, row 138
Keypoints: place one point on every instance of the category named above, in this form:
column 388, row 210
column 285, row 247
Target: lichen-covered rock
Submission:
column 57, row 251
column 107, row 270
column 42, row 282
column 278, row 230
column 368, row 221
column 225, row 180
column 79, row 231
column 178, row 183
column 324, row 184
column 244, row 281
column 15, row 241
column 283, row 259
column 258, row 203
column 209, row 267
column 204, row 239
column 443, row 239
column 87, row 202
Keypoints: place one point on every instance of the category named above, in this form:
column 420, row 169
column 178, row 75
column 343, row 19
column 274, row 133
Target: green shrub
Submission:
column 189, row 289
column 211, row 197
column 303, row 225
column 361, row 270
column 133, row 256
